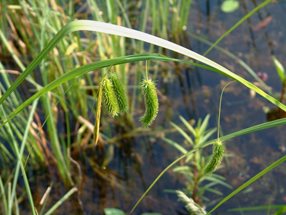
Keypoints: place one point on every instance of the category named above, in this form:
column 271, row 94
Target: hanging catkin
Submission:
column 216, row 158
column 109, row 96
column 120, row 92
column 151, row 102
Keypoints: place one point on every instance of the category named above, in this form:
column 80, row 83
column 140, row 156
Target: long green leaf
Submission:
column 255, row 128
column 88, row 25
column 183, row 133
column 20, row 164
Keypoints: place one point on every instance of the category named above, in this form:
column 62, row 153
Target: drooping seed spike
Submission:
column 109, row 97
column 120, row 92
column 216, row 158
column 151, row 102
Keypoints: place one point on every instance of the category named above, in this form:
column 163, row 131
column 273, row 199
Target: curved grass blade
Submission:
column 80, row 71
column 20, row 165
column 61, row 201
column 255, row 128
column 88, row 25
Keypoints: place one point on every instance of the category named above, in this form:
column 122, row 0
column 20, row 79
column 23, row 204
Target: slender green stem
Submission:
column 20, row 164
column 157, row 179
column 26, row 182
column 3, row 196
column 219, row 109
column 146, row 70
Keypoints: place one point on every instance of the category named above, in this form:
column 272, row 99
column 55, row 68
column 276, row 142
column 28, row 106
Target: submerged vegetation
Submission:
column 81, row 90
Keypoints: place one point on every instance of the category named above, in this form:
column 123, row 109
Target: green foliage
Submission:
column 194, row 168
column 78, row 72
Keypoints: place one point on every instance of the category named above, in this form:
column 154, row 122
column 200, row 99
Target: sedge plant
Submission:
column 198, row 169
column 55, row 86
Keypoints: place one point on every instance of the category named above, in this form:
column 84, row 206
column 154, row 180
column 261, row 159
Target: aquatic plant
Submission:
column 67, row 90
column 197, row 167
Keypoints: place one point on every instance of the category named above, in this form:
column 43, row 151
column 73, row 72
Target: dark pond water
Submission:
column 194, row 93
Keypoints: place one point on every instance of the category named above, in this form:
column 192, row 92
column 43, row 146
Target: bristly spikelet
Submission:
column 217, row 156
column 120, row 92
column 151, row 102
column 109, row 97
